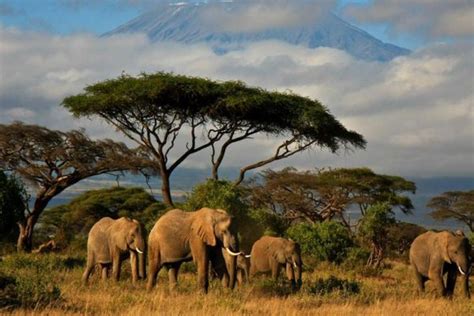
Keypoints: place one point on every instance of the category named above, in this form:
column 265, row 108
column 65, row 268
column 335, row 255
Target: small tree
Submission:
column 401, row 235
column 457, row 205
column 328, row 241
column 13, row 203
column 373, row 230
column 155, row 110
column 73, row 221
column 316, row 196
column 52, row 161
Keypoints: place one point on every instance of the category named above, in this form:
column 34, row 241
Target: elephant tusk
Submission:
column 247, row 256
column 138, row 250
column 460, row 270
column 231, row 252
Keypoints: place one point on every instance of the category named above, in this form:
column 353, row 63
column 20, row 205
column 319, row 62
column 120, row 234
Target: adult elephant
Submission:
column 434, row 254
column 180, row 236
column 110, row 241
column 273, row 253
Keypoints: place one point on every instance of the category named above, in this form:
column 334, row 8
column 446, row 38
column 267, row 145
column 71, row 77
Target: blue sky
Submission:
column 72, row 16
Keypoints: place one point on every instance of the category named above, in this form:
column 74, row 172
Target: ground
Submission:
column 392, row 292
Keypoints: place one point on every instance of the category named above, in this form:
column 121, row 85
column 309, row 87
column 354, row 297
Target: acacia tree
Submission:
column 163, row 111
column 53, row 160
column 320, row 195
column 457, row 205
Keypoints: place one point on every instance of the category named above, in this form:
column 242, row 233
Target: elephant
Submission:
column 109, row 242
column 272, row 253
column 243, row 268
column 434, row 254
column 180, row 236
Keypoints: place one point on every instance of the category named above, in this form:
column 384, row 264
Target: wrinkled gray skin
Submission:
column 110, row 241
column 200, row 236
column 273, row 253
column 433, row 255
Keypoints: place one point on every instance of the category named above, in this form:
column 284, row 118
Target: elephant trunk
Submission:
column 232, row 270
column 142, row 266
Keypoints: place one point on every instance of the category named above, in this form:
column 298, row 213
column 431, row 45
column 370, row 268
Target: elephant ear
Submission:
column 444, row 243
column 119, row 233
column 203, row 226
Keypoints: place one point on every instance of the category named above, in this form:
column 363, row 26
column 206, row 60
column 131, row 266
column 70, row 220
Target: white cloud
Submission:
column 415, row 111
column 435, row 18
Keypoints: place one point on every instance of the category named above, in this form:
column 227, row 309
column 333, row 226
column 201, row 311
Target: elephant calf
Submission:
column 433, row 255
column 273, row 253
column 109, row 241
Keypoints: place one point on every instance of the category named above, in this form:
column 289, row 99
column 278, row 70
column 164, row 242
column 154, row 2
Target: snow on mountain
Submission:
column 189, row 23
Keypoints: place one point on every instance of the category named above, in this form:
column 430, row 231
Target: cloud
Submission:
column 415, row 111
column 433, row 18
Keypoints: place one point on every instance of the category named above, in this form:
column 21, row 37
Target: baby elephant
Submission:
column 273, row 253
column 110, row 241
column 433, row 255
column 243, row 268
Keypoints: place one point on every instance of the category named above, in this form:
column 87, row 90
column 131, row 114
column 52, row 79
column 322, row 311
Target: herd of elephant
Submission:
column 205, row 237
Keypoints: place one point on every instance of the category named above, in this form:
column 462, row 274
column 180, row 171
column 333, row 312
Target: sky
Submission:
column 415, row 111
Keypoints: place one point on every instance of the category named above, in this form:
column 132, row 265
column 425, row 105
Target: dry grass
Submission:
column 392, row 293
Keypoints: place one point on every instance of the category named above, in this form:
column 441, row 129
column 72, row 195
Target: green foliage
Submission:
column 356, row 257
column 268, row 223
column 26, row 280
column 72, row 222
column 457, row 205
column 376, row 222
column 13, row 201
column 327, row 241
column 334, row 284
column 471, row 238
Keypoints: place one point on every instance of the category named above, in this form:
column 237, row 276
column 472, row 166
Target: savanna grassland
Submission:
column 56, row 281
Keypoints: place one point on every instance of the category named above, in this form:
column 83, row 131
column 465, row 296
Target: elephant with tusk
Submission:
column 202, row 236
column 273, row 253
column 109, row 240
column 434, row 254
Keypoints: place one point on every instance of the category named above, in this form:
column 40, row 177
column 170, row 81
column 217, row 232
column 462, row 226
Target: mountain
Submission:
column 189, row 23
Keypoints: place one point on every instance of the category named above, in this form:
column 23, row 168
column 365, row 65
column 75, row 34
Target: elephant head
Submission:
column 128, row 235
column 456, row 250
column 213, row 226
column 290, row 254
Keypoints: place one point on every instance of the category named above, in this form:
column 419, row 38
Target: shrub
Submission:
column 280, row 288
column 327, row 241
column 333, row 284
column 356, row 257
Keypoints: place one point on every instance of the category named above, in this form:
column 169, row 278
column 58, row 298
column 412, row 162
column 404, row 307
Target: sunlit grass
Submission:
column 391, row 293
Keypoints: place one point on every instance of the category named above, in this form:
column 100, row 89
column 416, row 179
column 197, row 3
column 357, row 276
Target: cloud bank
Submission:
column 434, row 18
column 416, row 111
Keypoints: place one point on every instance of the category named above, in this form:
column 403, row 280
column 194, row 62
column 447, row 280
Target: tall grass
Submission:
column 327, row 290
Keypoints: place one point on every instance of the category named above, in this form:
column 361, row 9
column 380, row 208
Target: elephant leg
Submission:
column 105, row 271
column 438, row 281
column 173, row 271
column 154, row 267
column 87, row 272
column 420, row 281
column 290, row 273
column 275, row 269
column 451, row 281
column 201, row 258
column 240, row 277
column 116, row 265
column 134, row 266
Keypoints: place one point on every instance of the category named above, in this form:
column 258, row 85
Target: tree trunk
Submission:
column 165, row 189
column 25, row 238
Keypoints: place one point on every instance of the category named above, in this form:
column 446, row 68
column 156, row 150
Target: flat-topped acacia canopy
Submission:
column 153, row 109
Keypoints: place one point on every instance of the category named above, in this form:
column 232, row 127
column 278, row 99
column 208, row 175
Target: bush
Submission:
column 280, row 288
column 356, row 257
column 326, row 241
column 334, row 284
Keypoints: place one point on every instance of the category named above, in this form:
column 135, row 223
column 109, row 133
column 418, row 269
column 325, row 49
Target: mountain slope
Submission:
column 187, row 23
